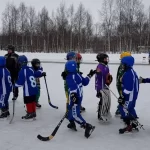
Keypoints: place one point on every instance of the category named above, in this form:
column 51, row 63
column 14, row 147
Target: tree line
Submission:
column 123, row 25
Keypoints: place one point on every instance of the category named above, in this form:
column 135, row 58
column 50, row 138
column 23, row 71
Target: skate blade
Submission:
column 130, row 132
column 28, row 120
column 73, row 129
column 6, row 118
column 3, row 119
column 38, row 107
column 104, row 120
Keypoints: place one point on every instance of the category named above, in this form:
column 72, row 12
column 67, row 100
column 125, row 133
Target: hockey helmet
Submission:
column 78, row 57
column 100, row 58
column 71, row 66
column 2, row 61
column 71, row 55
column 35, row 63
column 128, row 61
column 124, row 54
column 22, row 60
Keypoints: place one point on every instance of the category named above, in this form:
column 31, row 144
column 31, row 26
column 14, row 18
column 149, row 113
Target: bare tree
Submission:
column 44, row 18
column 107, row 16
column 23, row 23
column 62, row 23
column 89, row 30
column 31, row 16
column 124, row 25
column 79, row 23
column 71, row 24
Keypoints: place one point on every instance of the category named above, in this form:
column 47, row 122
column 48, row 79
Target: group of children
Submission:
column 28, row 78
column 127, row 85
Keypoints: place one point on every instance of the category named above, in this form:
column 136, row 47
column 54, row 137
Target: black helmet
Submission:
column 101, row 56
column 35, row 63
column 11, row 47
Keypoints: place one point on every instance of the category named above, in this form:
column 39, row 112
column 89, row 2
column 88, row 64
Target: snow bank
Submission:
column 142, row 58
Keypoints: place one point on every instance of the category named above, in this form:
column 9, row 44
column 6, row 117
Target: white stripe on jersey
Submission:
column 73, row 91
column 74, row 113
column 17, row 85
column 26, row 84
column 31, row 70
column 126, row 91
column 132, row 92
column 4, row 83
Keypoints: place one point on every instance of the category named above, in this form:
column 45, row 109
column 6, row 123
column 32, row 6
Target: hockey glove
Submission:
column 64, row 75
column 43, row 74
column 121, row 100
column 141, row 80
column 91, row 73
column 109, row 79
column 99, row 94
column 74, row 97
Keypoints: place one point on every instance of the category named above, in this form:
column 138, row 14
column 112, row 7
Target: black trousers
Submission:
column 29, row 99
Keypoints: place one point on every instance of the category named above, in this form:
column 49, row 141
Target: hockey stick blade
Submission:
column 53, row 105
column 44, row 138
column 54, row 132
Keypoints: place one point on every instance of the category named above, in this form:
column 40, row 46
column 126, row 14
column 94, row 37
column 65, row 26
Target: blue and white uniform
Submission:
column 130, row 85
column 27, row 80
column 75, row 83
column 5, row 84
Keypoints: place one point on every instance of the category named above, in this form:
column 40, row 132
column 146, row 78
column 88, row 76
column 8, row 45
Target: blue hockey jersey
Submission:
column 38, row 73
column 75, row 83
column 130, row 84
column 5, row 81
column 27, row 80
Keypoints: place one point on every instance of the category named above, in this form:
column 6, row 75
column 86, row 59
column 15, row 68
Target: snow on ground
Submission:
column 87, row 58
column 21, row 135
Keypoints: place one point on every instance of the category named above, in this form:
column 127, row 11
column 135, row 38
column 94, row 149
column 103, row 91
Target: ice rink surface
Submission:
column 21, row 135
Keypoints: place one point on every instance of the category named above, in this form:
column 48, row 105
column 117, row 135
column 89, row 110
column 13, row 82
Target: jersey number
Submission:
column 32, row 80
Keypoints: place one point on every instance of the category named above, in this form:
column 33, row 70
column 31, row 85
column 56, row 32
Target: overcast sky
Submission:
column 92, row 5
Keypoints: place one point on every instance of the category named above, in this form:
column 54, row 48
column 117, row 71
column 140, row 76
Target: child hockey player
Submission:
column 120, row 73
column 102, row 79
column 79, row 60
column 27, row 80
column 75, row 83
column 69, row 56
column 127, row 100
column 5, row 88
column 36, row 65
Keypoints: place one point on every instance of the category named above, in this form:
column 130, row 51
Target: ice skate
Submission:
column 38, row 105
column 4, row 113
column 82, row 109
column 88, row 130
column 72, row 126
column 29, row 116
